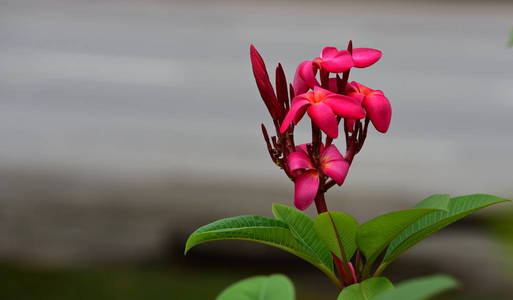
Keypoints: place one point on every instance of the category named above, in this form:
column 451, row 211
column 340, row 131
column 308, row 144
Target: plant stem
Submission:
column 316, row 142
column 325, row 75
column 345, row 75
column 343, row 271
column 358, row 263
column 380, row 269
column 343, row 265
column 320, row 203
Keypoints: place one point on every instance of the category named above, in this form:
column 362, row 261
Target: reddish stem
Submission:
column 339, row 265
column 358, row 264
column 320, row 202
column 325, row 75
column 354, row 277
column 316, row 142
column 345, row 76
column 345, row 271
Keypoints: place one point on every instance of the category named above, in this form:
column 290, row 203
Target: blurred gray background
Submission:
column 127, row 124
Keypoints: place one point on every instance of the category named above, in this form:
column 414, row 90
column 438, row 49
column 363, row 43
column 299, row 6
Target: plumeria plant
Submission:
column 352, row 255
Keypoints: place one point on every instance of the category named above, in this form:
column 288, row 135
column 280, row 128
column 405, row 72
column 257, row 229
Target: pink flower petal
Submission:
column 357, row 96
column 304, row 78
column 324, row 118
column 355, row 87
column 336, row 169
column 305, row 189
column 349, row 124
column 296, row 112
column 299, row 160
column 298, row 83
column 345, row 106
column 303, row 148
column 320, row 94
column 378, row 110
column 329, row 52
column 351, row 88
column 308, row 71
column 364, row 57
column 330, row 153
column 340, row 63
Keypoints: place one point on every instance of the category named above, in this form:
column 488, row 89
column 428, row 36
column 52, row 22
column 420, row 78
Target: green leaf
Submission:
column 302, row 228
column 366, row 290
column 458, row 208
column 374, row 236
column 273, row 287
column 251, row 228
column 263, row 230
column 419, row 289
column 435, row 201
column 338, row 231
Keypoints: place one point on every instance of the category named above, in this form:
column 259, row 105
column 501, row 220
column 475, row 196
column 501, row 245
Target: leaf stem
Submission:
column 358, row 264
column 345, row 271
column 342, row 270
column 380, row 269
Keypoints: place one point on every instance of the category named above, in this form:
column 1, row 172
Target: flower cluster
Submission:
column 320, row 89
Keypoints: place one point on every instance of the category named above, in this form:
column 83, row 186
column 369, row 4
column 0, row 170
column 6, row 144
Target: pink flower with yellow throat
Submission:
column 376, row 105
column 307, row 176
column 323, row 107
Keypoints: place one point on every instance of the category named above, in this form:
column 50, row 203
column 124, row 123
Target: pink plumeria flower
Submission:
column 307, row 177
column 323, row 107
column 333, row 61
column 377, row 106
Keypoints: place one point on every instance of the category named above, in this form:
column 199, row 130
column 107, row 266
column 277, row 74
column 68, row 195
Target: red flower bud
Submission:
column 264, row 85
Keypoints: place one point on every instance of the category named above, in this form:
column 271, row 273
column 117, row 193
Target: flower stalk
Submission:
column 328, row 100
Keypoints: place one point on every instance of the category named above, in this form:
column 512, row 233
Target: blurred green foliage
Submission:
column 143, row 283
column 132, row 283
column 501, row 226
column 110, row 284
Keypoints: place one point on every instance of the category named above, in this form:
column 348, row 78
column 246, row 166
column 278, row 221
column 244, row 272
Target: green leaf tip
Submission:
column 438, row 201
column 246, row 227
column 458, row 207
